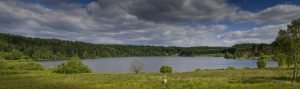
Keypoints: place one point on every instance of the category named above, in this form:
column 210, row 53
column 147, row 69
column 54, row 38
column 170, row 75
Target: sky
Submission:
column 181, row 23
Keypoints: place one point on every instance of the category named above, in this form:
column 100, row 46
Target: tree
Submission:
column 229, row 55
column 165, row 69
column 281, row 59
column 137, row 66
column 288, row 42
column 13, row 55
column 74, row 65
column 37, row 48
column 262, row 61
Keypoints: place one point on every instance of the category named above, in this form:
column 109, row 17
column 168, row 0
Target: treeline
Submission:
column 16, row 47
column 250, row 50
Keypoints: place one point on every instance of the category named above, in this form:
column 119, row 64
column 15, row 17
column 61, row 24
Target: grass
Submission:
column 204, row 79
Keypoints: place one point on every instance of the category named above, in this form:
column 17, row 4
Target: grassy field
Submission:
column 205, row 79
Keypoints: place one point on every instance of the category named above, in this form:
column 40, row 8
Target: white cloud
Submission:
column 276, row 14
column 98, row 25
column 265, row 34
column 144, row 22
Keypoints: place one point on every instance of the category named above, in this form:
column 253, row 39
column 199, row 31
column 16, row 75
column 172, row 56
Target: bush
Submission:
column 165, row 69
column 230, row 68
column 19, row 65
column 32, row 66
column 72, row 66
column 13, row 55
column 198, row 69
column 262, row 61
column 24, row 65
column 281, row 59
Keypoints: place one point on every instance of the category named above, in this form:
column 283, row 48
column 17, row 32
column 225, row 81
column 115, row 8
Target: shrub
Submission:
column 32, row 66
column 198, row 69
column 230, row 68
column 72, row 66
column 165, row 69
column 13, row 55
column 262, row 61
column 24, row 65
column 20, row 65
column 281, row 59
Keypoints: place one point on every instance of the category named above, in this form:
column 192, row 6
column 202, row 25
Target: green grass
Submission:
column 204, row 79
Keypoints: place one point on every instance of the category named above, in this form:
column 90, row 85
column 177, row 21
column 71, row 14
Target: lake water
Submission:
column 153, row 64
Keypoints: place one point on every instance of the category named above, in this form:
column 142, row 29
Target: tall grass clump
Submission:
column 2, row 64
column 20, row 65
column 74, row 65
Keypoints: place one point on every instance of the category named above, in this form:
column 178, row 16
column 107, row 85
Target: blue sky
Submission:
column 258, row 5
column 150, row 22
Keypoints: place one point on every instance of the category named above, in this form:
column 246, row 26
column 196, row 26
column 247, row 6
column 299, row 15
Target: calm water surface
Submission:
column 152, row 64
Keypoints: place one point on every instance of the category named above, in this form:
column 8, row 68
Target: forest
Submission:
column 16, row 47
column 42, row 49
column 250, row 50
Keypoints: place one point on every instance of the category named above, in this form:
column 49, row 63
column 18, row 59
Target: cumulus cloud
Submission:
column 276, row 14
column 141, row 22
column 265, row 34
column 98, row 24
column 196, row 10
column 180, row 10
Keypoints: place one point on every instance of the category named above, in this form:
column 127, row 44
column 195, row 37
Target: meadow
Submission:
column 274, row 78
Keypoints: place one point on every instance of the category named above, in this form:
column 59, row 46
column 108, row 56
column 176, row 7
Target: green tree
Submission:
column 229, row 55
column 288, row 41
column 85, row 54
column 281, row 59
column 262, row 61
column 165, row 69
column 74, row 65
column 37, row 48
column 13, row 55
column 230, row 68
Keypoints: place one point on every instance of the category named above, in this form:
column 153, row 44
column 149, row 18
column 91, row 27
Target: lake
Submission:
column 153, row 64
